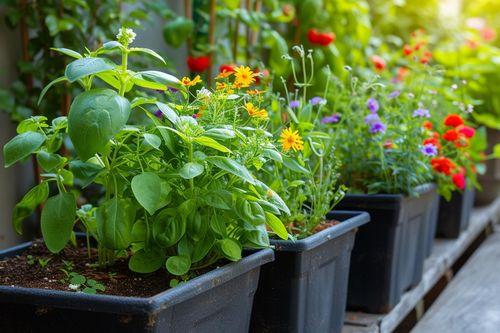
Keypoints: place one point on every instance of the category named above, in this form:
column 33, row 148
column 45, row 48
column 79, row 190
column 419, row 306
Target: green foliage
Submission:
column 173, row 186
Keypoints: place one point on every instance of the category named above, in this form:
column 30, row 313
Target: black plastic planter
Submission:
column 430, row 233
column 454, row 215
column 388, row 255
column 304, row 289
column 218, row 301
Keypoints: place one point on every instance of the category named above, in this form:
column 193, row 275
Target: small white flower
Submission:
column 470, row 108
column 204, row 92
column 464, row 82
column 73, row 286
column 125, row 36
column 454, row 87
column 411, row 95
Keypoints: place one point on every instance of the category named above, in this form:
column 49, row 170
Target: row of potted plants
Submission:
column 197, row 185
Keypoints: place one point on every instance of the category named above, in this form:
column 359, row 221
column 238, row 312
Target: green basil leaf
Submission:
column 146, row 261
column 49, row 161
column 28, row 203
column 115, row 219
column 231, row 249
column 191, row 170
column 95, row 117
column 87, row 66
column 58, row 217
column 178, row 265
column 152, row 140
column 147, row 190
column 21, row 146
column 84, row 171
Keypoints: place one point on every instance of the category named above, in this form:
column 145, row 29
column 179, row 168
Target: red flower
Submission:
column 453, row 120
column 459, row 180
column 378, row 62
column 227, row 68
column 466, row 130
column 442, row 165
column 450, row 135
column 198, row 64
column 427, row 125
column 320, row 38
column 433, row 141
column 407, row 50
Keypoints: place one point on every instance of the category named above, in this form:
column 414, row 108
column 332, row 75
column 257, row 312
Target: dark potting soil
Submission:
column 118, row 279
column 320, row 227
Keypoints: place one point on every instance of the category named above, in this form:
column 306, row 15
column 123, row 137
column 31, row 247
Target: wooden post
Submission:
column 248, row 7
column 236, row 35
column 188, row 12
column 211, row 39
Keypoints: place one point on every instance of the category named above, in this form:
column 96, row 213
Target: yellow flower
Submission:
column 291, row 139
column 255, row 112
column 244, row 76
column 220, row 85
column 222, row 75
column 187, row 82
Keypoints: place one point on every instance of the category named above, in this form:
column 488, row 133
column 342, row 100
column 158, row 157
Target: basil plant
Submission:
column 179, row 189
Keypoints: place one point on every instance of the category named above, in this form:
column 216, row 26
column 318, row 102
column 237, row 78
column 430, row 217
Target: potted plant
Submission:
column 384, row 165
column 460, row 149
column 180, row 202
column 305, row 288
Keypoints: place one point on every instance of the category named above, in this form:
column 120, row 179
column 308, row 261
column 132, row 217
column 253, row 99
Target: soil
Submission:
column 117, row 279
column 325, row 225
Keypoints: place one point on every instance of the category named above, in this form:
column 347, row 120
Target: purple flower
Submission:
column 173, row 90
column 317, row 100
column 377, row 127
column 334, row 118
column 429, row 150
column 372, row 105
column 421, row 112
column 372, row 118
column 294, row 104
column 158, row 114
column 394, row 94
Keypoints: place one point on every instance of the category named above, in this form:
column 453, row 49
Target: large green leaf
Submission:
column 191, row 170
column 87, row 66
column 165, row 79
column 276, row 225
column 84, row 171
column 231, row 249
column 115, row 219
column 58, row 217
column 49, row 161
column 147, row 190
column 95, row 117
column 178, row 265
column 233, row 167
column 146, row 261
column 28, row 203
column 209, row 142
column 21, row 146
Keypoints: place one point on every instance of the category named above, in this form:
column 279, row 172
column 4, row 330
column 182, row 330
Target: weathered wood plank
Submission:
column 471, row 302
column 445, row 253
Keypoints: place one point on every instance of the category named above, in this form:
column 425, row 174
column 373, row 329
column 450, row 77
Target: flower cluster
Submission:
column 373, row 120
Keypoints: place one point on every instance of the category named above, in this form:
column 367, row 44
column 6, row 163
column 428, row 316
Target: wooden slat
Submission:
column 445, row 253
column 471, row 302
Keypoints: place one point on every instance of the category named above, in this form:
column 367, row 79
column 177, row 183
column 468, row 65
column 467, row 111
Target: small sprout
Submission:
column 43, row 262
column 31, row 260
column 73, row 286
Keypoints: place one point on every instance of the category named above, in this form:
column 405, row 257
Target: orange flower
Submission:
column 427, row 125
column 187, row 82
